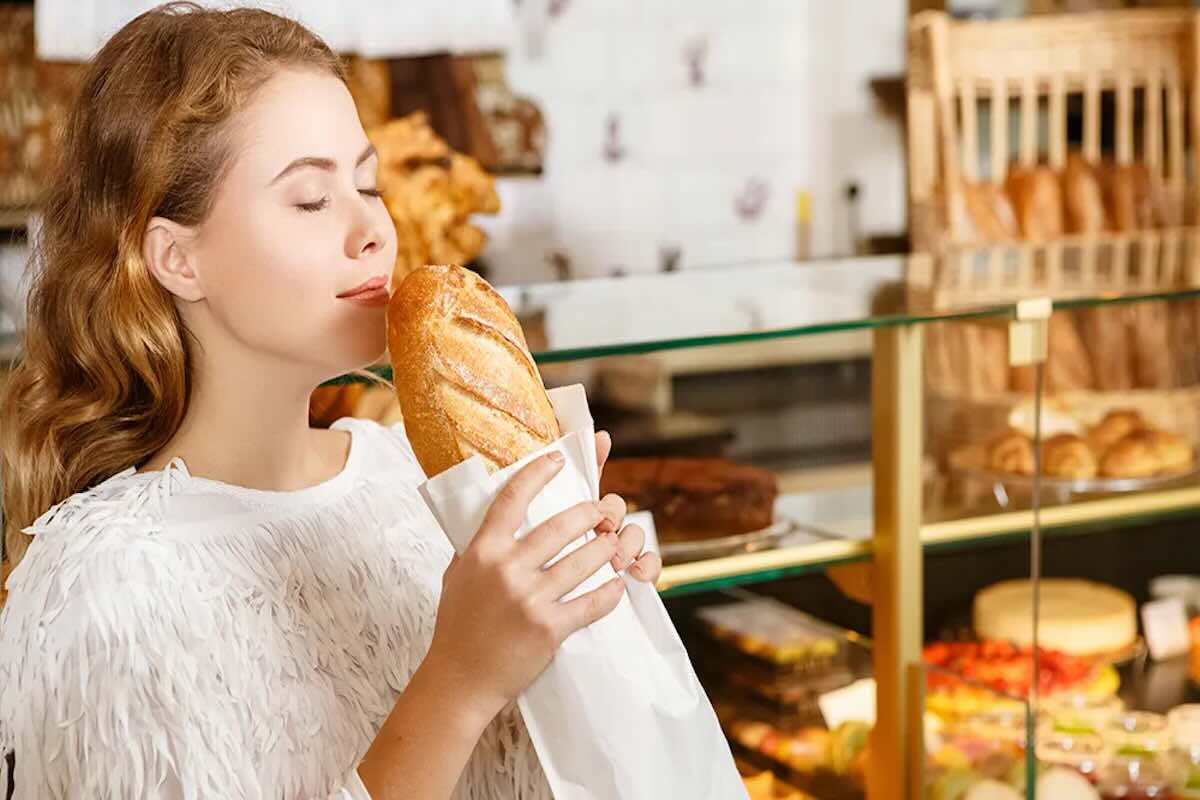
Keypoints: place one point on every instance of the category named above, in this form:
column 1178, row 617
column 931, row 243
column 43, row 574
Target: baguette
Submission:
column 989, row 214
column 1069, row 365
column 1150, row 333
column 1105, row 329
column 1133, row 197
column 1083, row 197
column 1036, row 198
column 465, row 379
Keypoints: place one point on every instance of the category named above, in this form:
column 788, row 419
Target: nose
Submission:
column 366, row 236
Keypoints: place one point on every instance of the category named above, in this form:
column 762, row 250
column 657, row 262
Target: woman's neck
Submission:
column 247, row 425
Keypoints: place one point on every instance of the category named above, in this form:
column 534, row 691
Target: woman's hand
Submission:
column 500, row 619
column 645, row 567
column 499, row 623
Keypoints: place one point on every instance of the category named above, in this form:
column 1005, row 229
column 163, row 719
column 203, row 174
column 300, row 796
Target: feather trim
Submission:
column 250, row 655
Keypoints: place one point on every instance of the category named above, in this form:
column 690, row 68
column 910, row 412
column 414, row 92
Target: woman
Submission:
column 221, row 601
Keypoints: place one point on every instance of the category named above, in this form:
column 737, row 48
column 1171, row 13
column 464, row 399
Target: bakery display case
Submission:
column 877, row 425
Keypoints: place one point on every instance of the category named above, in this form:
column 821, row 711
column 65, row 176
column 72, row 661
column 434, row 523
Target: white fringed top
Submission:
column 168, row 636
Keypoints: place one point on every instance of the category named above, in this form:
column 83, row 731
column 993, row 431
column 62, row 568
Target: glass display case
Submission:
column 1033, row 404
column 930, row 429
column 991, row 416
column 943, row 435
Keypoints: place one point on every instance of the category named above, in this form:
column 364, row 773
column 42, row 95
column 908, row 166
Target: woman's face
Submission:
column 296, row 221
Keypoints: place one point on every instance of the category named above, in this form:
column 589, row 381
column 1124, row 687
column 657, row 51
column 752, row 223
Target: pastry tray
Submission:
column 1002, row 482
column 713, row 547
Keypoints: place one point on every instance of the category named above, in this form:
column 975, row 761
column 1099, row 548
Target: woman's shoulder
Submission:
column 101, row 533
column 126, row 504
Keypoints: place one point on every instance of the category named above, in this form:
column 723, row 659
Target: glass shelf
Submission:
column 734, row 303
column 846, row 537
column 637, row 314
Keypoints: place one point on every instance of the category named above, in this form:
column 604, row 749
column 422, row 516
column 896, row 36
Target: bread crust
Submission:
column 464, row 376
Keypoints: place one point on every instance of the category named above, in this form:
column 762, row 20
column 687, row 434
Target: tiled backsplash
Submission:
column 691, row 124
column 688, row 126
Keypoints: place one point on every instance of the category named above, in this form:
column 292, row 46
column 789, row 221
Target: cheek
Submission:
column 275, row 291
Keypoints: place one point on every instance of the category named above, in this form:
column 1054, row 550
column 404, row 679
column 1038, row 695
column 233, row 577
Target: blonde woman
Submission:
column 207, row 598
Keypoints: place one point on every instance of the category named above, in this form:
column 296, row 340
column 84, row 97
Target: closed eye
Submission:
column 314, row 206
column 319, row 205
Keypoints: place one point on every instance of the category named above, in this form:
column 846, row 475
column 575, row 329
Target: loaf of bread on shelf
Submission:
column 1105, row 332
column 989, row 214
column 1036, row 197
column 1068, row 363
column 943, row 365
column 1083, row 197
column 1153, row 366
column 1068, row 456
column 985, row 358
column 1184, row 333
column 1133, row 197
column 465, row 379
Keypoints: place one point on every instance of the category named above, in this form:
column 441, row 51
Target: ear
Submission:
column 167, row 256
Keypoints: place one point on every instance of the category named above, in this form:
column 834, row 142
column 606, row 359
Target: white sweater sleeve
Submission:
column 122, row 689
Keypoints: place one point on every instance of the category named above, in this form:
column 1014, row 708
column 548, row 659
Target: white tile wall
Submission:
column 785, row 102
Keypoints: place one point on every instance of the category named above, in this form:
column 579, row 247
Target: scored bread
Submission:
column 464, row 376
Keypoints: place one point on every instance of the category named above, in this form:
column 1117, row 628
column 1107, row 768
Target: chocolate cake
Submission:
column 694, row 498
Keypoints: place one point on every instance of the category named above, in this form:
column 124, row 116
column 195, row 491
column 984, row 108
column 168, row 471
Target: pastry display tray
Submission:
column 714, row 547
column 1004, row 483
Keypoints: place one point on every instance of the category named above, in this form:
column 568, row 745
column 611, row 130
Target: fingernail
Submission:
column 555, row 456
column 616, row 563
column 605, row 526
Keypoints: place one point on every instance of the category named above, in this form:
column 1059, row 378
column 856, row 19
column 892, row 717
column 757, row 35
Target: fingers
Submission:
column 647, row 568
column 613, row 508
column 593, row 605
column 546, row 540
column 629, row 546
column 603, row 448
column 508, row 509
column 579, row 565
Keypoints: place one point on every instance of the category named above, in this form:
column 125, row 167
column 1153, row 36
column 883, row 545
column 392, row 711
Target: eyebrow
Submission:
column 327, row 164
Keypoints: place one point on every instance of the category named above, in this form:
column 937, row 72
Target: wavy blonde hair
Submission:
column 103, row 382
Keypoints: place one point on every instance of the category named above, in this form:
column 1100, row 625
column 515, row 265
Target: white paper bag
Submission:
column 619, row 713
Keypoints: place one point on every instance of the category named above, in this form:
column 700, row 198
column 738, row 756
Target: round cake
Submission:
column 1077, row 617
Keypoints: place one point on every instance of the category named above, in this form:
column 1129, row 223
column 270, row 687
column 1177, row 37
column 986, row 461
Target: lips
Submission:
column 371, row 287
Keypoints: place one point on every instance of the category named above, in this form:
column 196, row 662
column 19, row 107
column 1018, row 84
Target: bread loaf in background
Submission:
column 1083, row 197
column 1133, row 197
column 1036, row 198
column 989, row 216
column 1068, row 364
column 464, row 376
column 1105, row 330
